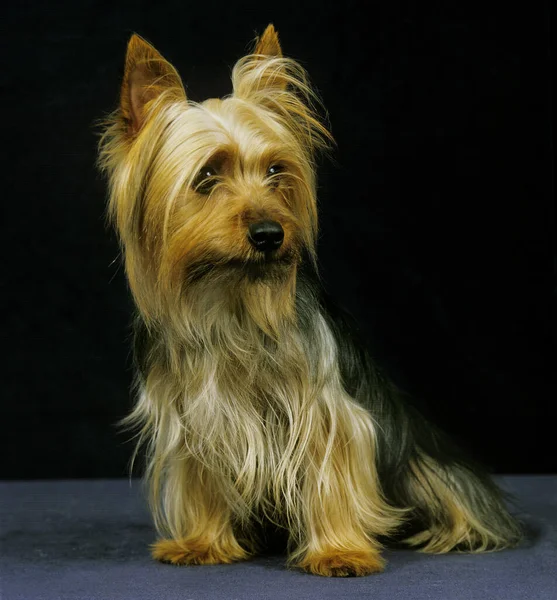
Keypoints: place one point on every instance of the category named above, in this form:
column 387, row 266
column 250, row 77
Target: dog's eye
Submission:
column 274, row 172
column 206, row 180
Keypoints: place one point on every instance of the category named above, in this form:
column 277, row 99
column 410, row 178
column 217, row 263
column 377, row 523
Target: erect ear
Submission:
column 268, row 43
column 146, row 76
column 263, row 69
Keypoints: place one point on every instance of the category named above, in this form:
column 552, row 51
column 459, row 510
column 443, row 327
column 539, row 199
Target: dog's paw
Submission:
column 342, row 563
column 197, row 551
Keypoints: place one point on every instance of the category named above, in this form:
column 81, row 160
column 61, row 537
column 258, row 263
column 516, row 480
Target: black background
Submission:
column 437, row 219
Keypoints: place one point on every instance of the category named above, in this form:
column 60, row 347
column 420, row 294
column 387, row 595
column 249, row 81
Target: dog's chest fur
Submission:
column 244, row 403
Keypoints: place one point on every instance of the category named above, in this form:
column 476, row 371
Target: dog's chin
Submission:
column 267, row 269
column 259, row 267
column 267, row 266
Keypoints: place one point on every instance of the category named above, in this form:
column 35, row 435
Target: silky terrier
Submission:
column 256, row 401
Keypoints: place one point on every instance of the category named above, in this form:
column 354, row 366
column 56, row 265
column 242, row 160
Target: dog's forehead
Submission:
column 240, row 123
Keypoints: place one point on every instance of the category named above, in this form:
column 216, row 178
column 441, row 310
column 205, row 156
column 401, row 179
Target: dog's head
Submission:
column 225, row 186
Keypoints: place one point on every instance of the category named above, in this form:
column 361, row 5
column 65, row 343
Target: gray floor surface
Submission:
column 88, row 540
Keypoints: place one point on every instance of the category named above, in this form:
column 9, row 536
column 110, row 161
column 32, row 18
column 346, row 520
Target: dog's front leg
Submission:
column 196, row 518
column 343, row 509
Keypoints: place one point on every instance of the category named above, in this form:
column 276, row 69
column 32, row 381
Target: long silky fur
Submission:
column 255, row 400
column 453, row 502
column 261, row 434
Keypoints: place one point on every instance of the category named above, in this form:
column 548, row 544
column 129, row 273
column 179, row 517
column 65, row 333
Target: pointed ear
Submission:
column 268, row 43
column 146, row 76
column 263, row 68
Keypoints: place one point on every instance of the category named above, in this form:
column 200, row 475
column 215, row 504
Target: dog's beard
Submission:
column 267, row 267
column 248, row 293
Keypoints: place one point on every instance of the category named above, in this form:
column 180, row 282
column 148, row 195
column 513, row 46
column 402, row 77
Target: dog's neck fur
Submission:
column 232, row 318
column 241, row 337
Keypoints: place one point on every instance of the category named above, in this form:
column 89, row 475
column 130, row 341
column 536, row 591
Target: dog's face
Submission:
column 227, row 186
column 223, row 186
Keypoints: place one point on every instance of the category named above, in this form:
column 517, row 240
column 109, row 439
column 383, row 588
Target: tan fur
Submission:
column 199, row 551
column 453, row 525
column 268, row 43
column 343, row 563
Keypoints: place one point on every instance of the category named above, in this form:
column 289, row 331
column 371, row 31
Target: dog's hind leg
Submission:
column 343, row 510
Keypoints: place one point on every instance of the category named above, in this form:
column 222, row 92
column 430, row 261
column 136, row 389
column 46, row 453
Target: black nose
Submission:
column 265, row 235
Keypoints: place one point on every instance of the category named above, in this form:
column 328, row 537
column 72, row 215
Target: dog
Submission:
column 256, row 401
